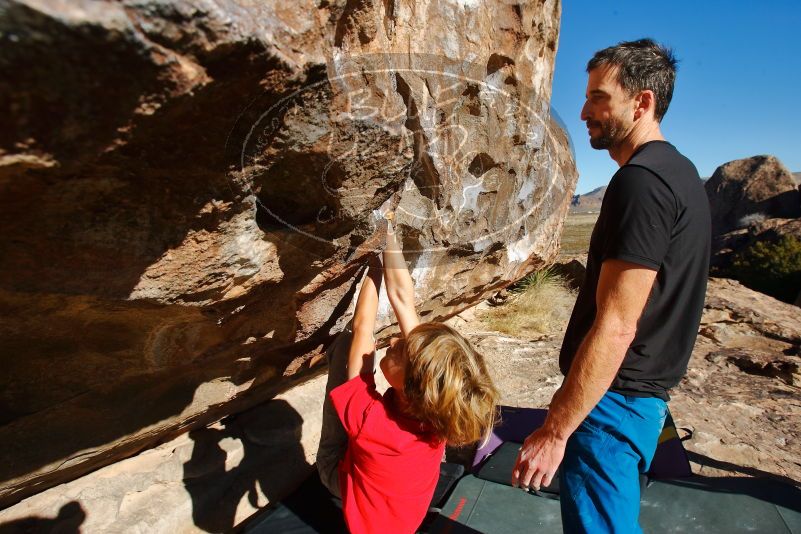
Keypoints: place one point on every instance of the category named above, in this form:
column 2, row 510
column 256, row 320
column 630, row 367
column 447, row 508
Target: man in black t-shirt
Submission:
column 637, row 314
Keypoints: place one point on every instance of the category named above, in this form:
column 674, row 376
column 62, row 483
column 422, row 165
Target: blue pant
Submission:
column 599, row 476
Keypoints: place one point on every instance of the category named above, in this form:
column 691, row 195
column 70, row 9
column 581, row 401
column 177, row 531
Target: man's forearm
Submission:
column 597, row 361
column 623, row 289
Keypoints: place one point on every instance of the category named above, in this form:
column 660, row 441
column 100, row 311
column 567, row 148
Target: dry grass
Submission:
column 542, row 302
column 540, row 305
column 576, row 233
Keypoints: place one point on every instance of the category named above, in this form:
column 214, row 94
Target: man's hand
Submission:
column 539, row 457
column 623, row 289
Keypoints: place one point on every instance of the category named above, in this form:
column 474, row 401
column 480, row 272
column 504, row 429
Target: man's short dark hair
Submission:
column 643, row 64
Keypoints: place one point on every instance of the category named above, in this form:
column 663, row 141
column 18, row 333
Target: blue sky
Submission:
column 738, row 87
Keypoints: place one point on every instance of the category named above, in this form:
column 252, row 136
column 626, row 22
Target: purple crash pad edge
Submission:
column 515, row 425
column 670, row 459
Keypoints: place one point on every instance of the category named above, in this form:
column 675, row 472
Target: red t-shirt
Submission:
column 391, row 466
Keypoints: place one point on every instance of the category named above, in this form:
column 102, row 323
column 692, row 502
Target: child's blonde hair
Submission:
column 447, row 384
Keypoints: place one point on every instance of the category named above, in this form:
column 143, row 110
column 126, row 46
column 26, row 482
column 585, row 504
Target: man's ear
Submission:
column 644, row 102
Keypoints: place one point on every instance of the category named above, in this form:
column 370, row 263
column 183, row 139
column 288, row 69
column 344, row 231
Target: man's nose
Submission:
column 585, row 111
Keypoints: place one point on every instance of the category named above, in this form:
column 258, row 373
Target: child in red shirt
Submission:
column 381, row 454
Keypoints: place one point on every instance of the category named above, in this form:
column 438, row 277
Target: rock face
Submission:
column 740, row 395
column 189, row 190
column 573, row 270
column 756, row 186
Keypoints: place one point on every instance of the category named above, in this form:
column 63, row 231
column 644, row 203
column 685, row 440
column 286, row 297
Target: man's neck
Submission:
column 623, row 151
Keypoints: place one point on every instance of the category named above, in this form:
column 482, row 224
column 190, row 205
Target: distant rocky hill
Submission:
column 588, row 202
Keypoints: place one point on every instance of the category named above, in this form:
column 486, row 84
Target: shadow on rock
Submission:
column 242, row 463
column 68, row 521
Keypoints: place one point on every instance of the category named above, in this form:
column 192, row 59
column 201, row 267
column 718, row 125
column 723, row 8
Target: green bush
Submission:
column 774, row 268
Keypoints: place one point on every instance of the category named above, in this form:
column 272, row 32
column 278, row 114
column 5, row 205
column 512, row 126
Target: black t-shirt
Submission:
column 655, row 213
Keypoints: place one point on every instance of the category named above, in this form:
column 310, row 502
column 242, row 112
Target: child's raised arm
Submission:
column 362, row 346
column 400, row 286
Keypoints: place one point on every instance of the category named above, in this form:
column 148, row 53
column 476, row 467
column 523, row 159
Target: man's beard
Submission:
column 612, row 133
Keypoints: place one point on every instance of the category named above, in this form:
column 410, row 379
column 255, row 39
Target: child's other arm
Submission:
column 362, row 346
column 400, row 287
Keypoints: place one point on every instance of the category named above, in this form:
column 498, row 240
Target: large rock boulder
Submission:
column 756, row 203
column 756, row 187
column 189, row 190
